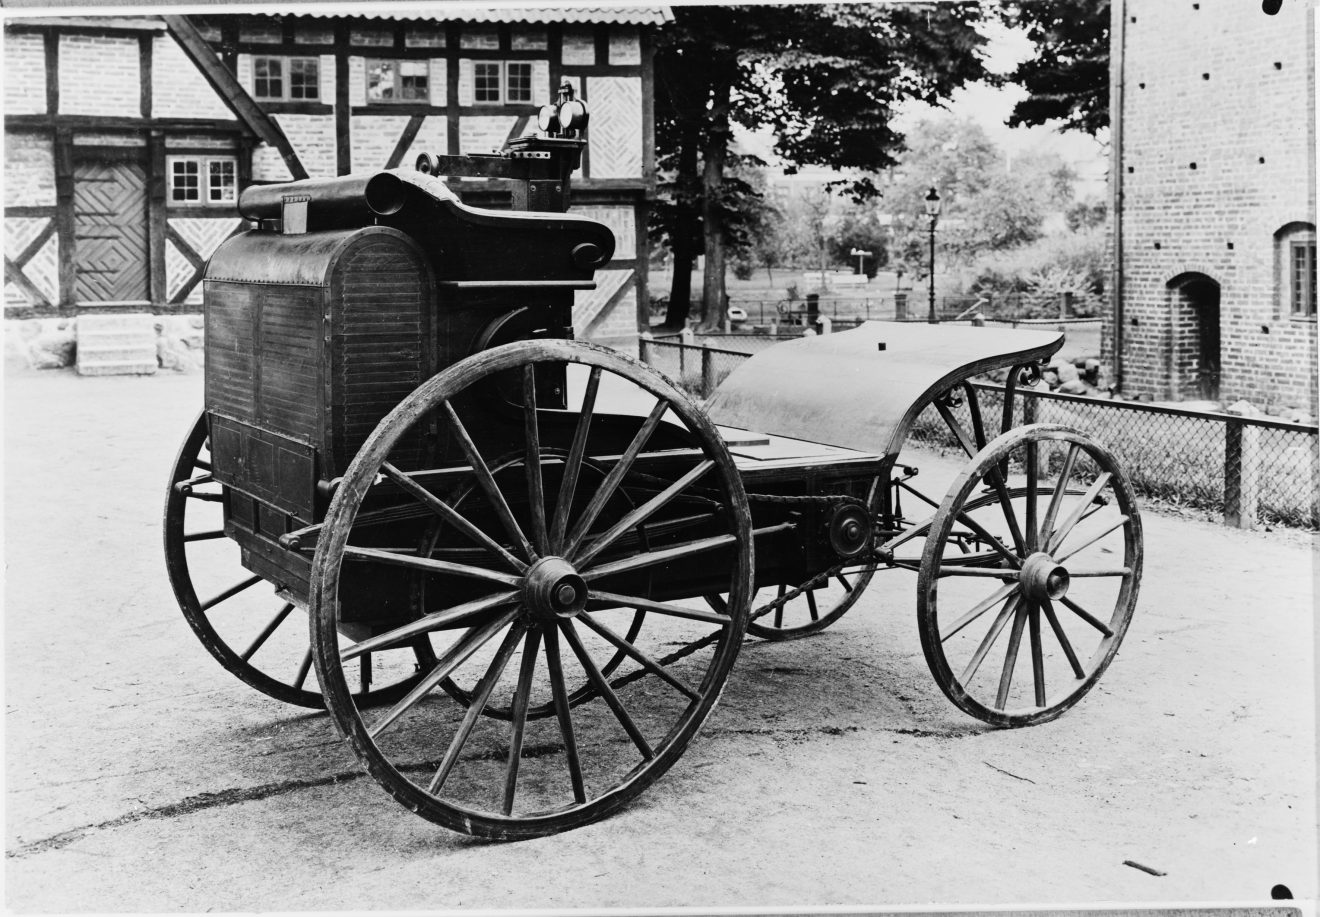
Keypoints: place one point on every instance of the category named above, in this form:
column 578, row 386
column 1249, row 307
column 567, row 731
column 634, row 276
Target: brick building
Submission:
column 128, row 139
column 1214, row 140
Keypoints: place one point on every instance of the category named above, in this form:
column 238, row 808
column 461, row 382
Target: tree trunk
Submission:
column 682, row 242
column 712, row 217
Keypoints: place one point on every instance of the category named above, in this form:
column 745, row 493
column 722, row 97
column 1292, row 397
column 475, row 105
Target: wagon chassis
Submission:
column 519, row 556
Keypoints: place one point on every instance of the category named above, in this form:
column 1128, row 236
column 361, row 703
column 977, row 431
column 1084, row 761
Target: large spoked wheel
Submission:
column 262, row 639
column 534, row 590
column 817, row 606
column 1038, row 542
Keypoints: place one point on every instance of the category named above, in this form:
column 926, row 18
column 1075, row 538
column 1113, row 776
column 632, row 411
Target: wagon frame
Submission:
column 527, row 563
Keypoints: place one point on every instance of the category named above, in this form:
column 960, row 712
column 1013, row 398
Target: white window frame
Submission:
column 502, row 95
column 286, row 77
column 398, row 63
column 205, row 191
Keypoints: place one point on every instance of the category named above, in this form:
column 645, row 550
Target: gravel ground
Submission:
column 142, row 777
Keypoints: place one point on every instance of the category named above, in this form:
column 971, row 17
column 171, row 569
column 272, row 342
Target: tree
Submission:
column 1068, row 79
column 826, row 78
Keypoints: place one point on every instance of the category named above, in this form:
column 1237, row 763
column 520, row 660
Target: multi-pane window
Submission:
column 286, row 79
column 203, row 179
column 398, row 81
column 1302, row 275
column 502, row 82
column 486, row 82
column 519, row 84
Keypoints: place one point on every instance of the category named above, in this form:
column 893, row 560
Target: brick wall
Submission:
column 313, row 139
column 374, row 139
column 25, row 75
column 178, row 89
column 29, row 169
column 100, row 75
column 1218, row 156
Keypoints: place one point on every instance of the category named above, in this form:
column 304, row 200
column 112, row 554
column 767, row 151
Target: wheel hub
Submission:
column 1043, row 578
column 553, row 589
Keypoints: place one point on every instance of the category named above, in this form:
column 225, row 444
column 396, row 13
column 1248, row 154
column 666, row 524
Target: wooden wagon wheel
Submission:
column 541, row 596
column 1052, row 553
column 263, row 640
column 590, row 476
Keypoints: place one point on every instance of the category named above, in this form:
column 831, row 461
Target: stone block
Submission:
column 111, row 345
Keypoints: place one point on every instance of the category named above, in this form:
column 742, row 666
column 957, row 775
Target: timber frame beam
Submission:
column 232, row 92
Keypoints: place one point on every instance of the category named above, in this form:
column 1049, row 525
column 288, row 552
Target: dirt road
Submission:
column 142, row 777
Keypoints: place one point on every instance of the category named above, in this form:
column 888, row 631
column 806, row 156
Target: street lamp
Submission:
column 861, row 257
column 932, row 211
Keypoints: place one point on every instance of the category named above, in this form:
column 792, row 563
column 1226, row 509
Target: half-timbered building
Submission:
column 128, row 139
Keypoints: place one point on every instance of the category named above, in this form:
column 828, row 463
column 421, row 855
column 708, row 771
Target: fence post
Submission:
column 1028, row 406
column 686, row 339
column 1241, row 480
column 707, row 371
column 900, row 307
column 826, row 324
column 644, row 347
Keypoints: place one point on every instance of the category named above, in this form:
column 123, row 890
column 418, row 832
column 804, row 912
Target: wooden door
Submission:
column 110, row 256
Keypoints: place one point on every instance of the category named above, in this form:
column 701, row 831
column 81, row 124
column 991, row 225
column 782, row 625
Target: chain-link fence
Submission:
column 1250, row 471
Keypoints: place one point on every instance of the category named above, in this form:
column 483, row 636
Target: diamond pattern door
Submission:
column 110, row 232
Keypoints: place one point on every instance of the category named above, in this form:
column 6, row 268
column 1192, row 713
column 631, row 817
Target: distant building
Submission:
column 128, row 139
column 1214, row 136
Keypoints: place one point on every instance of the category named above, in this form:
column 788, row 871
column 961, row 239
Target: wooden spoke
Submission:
column 640, row 514
column 429, row 565
column 478, row 704
column 266, row 632
column 1059, row 635
column 1117, row 571
column 1032, row 463
column 992, row 477
column 991, row 636
column 960, row 434
column 1086, row 616
column 204, row 536
column 364, row 673
column 1010, row 656
column 1056, row 498
column 646, row 661
column 1122, row 521
column 614, row 478
column 1037, row 655
column 573, row 465
column 450, row 515
column 202, row 464
column 535, row 484
column 921, row 529
column 1074, row 517
column 659, row 556
column 303, row 668
column 486, row 481
column 677, row 611
column 811, row 604
column 468, row 613
column 205, row 496
column 603, row 686
column 779, row 610
column 562, row 712
column 231, row 592
column 531, row 646
column 977, row 610
column 844, row 583
column 456, row 655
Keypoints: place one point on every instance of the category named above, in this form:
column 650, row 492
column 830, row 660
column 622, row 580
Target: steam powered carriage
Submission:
column 517, row 569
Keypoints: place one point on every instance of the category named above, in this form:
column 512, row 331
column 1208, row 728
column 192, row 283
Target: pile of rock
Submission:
column 174, row 342
column 1080, row 376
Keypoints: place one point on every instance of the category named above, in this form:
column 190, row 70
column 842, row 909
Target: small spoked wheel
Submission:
column 1029, row 575
column 534, row 585
column 261, row 638
column 817, row 606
